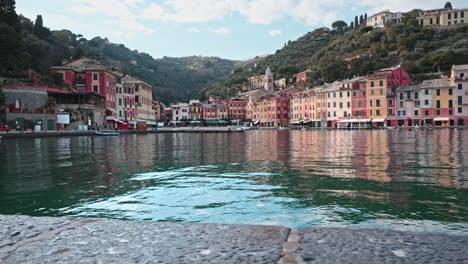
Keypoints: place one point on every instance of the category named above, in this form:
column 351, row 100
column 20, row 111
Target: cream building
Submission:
column 380, row 19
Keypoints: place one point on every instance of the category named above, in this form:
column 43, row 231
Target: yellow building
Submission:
column 453, row 17
column 377, row 99
column 442, row 17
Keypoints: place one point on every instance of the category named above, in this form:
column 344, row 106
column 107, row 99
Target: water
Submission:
column 401, row 180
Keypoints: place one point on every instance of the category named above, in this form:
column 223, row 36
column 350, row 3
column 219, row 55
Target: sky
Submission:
column 232, row 29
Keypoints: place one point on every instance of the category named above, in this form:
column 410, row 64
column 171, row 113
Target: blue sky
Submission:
column 233, row 29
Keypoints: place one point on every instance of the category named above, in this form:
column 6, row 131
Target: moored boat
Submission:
column 107, row 133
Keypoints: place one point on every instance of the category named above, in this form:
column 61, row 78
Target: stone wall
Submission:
column 30, row 120
column 29, row 98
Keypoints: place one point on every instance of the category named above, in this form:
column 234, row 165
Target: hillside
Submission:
column 30, row 45
column 421, row 51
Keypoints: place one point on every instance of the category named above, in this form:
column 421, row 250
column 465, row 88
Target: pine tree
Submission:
column 365, row 17
column 38, row 26
column 351, row 25
column 8, row 13
column 356, row 22
column 361, row 20
column 448, row 5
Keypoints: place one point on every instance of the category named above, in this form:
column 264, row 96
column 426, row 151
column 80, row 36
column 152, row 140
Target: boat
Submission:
column 107, row 133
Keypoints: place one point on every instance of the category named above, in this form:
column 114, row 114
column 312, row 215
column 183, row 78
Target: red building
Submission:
column 303, row 77
column 359, row 98
column 237, row 109
column 87, row 76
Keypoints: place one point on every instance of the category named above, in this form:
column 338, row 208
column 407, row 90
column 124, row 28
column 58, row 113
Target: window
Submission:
column 450, row 112
column 438, row 112
column 462, row 14
column 408, row 95
column 370, row 102
column 438, row 92
column 449, row 16
column 401, row 96
column 416, row 95
column 348, row 104
column 354, row 94
column 450, row 102
column 341, row 94
column 377, row 102
column 364, row 93
column 334, row 113
column 372, row 92
column 341, row 105
column 438, row 104
column 460, row 100
column 95, row 88
column 426, row 92
column 460, row 86
column 426, row 102
column 455, row 15
column 460, row 110
column 372, row 84
column 450, row 91
column 416, row 112
column 381, row 91
column 401, row 104
column 95, row 76
column 381, row 83
column 377, row 112
column 359, row 104
column 370, row 112
column 390, row 102
column 120, row 101
column 426, row 112
column 390, row 111
column 334, row 95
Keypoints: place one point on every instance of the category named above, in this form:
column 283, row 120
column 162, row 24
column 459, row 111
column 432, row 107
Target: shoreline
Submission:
column 69, row 239
column 28, row 134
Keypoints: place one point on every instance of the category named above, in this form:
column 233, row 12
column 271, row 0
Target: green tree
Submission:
column 365, row 17
column 448, row 5
column 39, row 30
column 339, row 25
column 8, row 12
column 352, row 25
column 356, row 21
column 361, row 20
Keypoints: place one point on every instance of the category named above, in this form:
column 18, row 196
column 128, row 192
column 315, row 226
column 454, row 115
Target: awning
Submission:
column 402, row 118
column 223, row 122
column 441, row 119
column 307, row 121
column 212, row 122
column 111, row 118
column 380, row 120
column 195, row 122
column 151, row 123
column 256, row 122
column 363, row 120
column 296, row 122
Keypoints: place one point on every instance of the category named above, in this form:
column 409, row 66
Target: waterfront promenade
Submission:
column 25, row 239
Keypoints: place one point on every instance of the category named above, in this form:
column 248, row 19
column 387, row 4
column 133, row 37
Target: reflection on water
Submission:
column 404, row 180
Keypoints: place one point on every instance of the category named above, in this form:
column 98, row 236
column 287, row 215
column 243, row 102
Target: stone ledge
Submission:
column 25, row 239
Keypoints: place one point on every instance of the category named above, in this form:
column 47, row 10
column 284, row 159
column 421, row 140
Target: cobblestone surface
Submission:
column 335, row 245
column 64, row 240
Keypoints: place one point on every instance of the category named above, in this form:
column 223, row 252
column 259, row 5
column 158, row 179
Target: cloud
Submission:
column 275, row 32
column 223, row 31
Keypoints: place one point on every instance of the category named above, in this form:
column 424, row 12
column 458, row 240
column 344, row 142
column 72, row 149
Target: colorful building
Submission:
column 439, row 102
column 85, row 76
column 144, row 112
column 304, row 76
column 196, row 110
column 408, row 101
column 380, row 19
column 237, row 109
column 459, row 80
column 273, row 110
